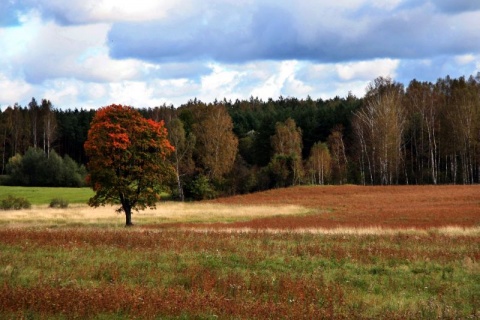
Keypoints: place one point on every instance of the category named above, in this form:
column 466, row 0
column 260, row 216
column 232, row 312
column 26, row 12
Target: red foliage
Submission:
column 127, row 158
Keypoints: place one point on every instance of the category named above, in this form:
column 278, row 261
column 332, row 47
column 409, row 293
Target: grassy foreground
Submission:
column 123, row 274
column 329, row 252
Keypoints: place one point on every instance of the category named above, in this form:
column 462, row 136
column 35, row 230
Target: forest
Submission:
column 424, row 133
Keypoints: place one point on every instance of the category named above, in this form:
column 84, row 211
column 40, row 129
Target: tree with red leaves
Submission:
column 127, row 159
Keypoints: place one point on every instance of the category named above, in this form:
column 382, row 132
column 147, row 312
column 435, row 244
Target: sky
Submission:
column 146, row 53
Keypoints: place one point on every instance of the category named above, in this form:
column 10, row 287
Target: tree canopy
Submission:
column 127, row 159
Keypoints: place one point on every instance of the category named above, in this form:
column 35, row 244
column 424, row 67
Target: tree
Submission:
column 422, row 103
column 287, row 148
column 216, row 144
column 339, row 157
column 34, row 111
column 49, row 125
column 35, row 169
column 463, row 115
column 319, row 163
column 182, row 156
column 127, row 159
column 379, row 127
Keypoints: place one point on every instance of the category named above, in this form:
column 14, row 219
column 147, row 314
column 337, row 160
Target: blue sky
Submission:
column 91, row 53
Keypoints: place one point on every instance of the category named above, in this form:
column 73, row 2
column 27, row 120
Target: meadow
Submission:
column 43, row 195
column 337, row 252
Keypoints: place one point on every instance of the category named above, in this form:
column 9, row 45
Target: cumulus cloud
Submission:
column 87, row 53
column 367, row 70
column 43, row 51
column 80, row 12
column 13, row 90
column 265, row 31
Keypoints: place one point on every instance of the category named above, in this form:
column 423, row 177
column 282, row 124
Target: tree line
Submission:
column 424, row 133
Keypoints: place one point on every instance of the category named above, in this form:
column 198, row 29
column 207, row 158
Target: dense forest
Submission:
column 425, row 133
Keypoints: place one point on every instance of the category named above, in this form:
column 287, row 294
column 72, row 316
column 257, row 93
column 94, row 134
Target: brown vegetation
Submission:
column 364, row 262
column 420, row 207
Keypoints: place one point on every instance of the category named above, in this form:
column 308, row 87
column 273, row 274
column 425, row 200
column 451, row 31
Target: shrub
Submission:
column 35, row 168
column 14, row 203
column 201, row 188
column 58, row 203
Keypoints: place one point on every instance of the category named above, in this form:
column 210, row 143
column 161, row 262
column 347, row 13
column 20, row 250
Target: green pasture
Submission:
column 43, row 195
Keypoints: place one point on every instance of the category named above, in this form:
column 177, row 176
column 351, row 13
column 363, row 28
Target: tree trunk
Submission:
column 179, row 183
column 127, row 208
column 128, row 218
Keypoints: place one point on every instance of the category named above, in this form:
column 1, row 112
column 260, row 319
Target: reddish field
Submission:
column 98, row 272
column 392, row 207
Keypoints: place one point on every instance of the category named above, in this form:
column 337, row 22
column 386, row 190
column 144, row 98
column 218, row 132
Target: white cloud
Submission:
column 220, row 83
column 134, row 93
column 95, row 92
column 128, row 10
column 365, row 70
column 43, row 51
column 465, row 59
column 94, row 11
column 176, row 91
column 272, row 88
column 13, row 90
column 62, row 91
column 102, row 68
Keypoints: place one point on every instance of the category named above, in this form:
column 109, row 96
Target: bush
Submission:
column 201, row 188
column 58, row 203
column 34, row 168
column 14, row 203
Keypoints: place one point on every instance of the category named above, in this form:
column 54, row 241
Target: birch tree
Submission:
column 379, row 127
column 319, row 163
column 182, row 155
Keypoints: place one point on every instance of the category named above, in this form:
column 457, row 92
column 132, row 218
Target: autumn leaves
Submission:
column 127, row 159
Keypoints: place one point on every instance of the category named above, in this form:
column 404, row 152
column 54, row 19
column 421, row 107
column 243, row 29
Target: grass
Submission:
column 188, row 274
column 308, row 252
column 165, row 213
column 43, row 195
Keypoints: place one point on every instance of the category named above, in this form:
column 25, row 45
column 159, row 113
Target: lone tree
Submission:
column 127, row 159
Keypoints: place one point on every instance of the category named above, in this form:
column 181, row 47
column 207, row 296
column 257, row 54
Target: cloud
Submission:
column 221, row 81
column 76, row 12
column 267, row 31
column 367, row 70
column 457, row 6
column 191, row 70
column 89, row 53
column 13, row 90
column 42, row 51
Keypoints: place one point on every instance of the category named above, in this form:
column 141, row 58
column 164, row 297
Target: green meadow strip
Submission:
column 44, row 195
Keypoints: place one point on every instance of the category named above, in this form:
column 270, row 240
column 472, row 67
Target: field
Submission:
column 306, row 252
column 40, row 196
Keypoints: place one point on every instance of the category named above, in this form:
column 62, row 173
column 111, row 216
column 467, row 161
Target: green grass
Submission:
column 43, row 195
column 92, row 273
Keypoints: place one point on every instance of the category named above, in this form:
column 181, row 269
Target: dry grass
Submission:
column 374, row 231
column 355, row 210
column 166, row 212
